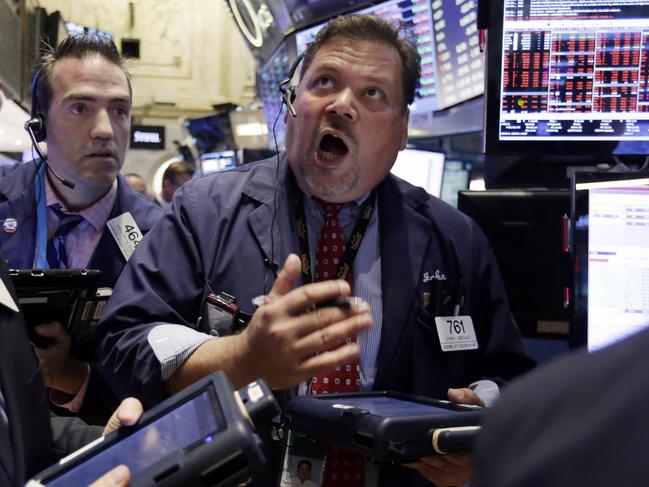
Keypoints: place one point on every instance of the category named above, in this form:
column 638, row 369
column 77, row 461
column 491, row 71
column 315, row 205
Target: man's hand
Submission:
column 449, row 470
column 126, row 414
column 464, row 396
column 285, row 345
column 445, row 470
column 61, row 371
column 117, row 477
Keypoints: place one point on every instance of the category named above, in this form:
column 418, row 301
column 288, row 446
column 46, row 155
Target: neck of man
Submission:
column 80, row 197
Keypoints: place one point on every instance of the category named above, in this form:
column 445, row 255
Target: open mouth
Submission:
column 331, row 148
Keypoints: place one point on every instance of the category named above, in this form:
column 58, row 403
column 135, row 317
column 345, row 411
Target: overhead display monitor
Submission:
column 417, row 16
column 262, row 23
column 460, row 62
column 268, row 79
column 307, row 12
column 212, row 162
column 422, row 168
column 611, row 231
column 574, row 72
column 211, row 133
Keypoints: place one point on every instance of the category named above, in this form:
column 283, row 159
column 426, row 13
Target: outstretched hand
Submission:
column 285, row 343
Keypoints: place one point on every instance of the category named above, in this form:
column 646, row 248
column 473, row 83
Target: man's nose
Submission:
column 102, row 126
column 344, row 105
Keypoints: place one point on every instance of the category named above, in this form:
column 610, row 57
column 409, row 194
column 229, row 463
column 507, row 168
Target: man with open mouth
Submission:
column 60, row 205
column 328, row 215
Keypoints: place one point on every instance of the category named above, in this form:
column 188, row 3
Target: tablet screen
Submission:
column 388, row 406
column 189, row 425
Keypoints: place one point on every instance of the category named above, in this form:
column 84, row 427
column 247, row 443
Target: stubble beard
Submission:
column 325, row 183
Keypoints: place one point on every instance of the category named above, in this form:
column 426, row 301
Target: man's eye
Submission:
column 78, row 108
column 324, row 81
column 374, row 93
column 122, row 112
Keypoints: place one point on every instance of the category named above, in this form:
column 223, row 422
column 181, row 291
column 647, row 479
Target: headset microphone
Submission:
column 35, row 125
column 288, row 95
column 287, row 90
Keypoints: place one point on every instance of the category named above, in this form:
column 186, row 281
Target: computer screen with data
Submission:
column 612, row 232
column 268, row 79
column 460, row 62
column 570, row 71
column 422, row 168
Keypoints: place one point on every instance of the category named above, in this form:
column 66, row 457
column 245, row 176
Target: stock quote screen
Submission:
column 575, row 70
column 268, row 79
column 460, row 63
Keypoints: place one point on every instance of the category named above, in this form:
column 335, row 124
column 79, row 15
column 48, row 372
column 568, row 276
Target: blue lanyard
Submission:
column 41, row 219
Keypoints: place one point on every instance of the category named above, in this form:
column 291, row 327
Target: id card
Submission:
column 456, row 333
column 126, row 233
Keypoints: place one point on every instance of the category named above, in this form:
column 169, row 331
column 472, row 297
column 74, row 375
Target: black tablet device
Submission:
column 70, row 296
column 200, row 436
column 387, row 427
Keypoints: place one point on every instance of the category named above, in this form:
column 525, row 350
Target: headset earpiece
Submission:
column 36, row 124
column 288, row 90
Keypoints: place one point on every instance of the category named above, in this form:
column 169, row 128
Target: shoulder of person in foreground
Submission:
column 576, row 421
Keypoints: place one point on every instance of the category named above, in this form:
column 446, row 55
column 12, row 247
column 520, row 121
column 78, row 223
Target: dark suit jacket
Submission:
column 17, row 200
column 32, row 432
column 582, row 420
column 219, row 232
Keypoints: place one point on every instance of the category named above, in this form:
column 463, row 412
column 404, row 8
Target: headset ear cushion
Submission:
column 292, row 93
column 37, row 125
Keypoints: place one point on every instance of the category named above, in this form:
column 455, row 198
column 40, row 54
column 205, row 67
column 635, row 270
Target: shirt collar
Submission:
column 96, row 214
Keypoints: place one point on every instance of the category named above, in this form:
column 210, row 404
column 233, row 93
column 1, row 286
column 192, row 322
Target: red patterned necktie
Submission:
column 342, row 468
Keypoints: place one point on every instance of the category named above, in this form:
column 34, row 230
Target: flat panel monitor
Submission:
column 455, row 178
column 268, row 79
column 422, row 168
column 460, row 63
column 611, row 256
column 417, row 16
column 306, row 12
column 526, row 231
column 569, row 77
column 211, row 133
column 212, row 162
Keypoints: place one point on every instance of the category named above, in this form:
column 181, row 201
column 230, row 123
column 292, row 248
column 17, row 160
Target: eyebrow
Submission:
column 88, row 98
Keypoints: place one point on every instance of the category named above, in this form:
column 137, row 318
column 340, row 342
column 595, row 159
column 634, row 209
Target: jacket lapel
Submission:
column 271, row 222
column 404, row 234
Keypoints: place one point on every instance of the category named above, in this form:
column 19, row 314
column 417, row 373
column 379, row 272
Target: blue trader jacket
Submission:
column 219, row 232
column 17, row 201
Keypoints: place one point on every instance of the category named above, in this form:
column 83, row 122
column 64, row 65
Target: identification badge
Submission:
column 126, row 233
column 456, row 333
column 5, row 297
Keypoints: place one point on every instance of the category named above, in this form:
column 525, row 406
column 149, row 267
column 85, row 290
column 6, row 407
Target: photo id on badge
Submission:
column 456, row 333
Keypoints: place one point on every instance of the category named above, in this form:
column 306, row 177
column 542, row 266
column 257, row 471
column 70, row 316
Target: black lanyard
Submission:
column 351, row 247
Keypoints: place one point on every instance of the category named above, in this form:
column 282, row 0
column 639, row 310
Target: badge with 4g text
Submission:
column 456, row 333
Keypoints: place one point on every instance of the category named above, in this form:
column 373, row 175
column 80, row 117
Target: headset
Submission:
column 288, row 90
column 35, row 127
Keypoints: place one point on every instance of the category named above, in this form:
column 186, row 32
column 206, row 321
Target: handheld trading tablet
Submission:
column 387, row 427
column 69, row 296
column 201, row 436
